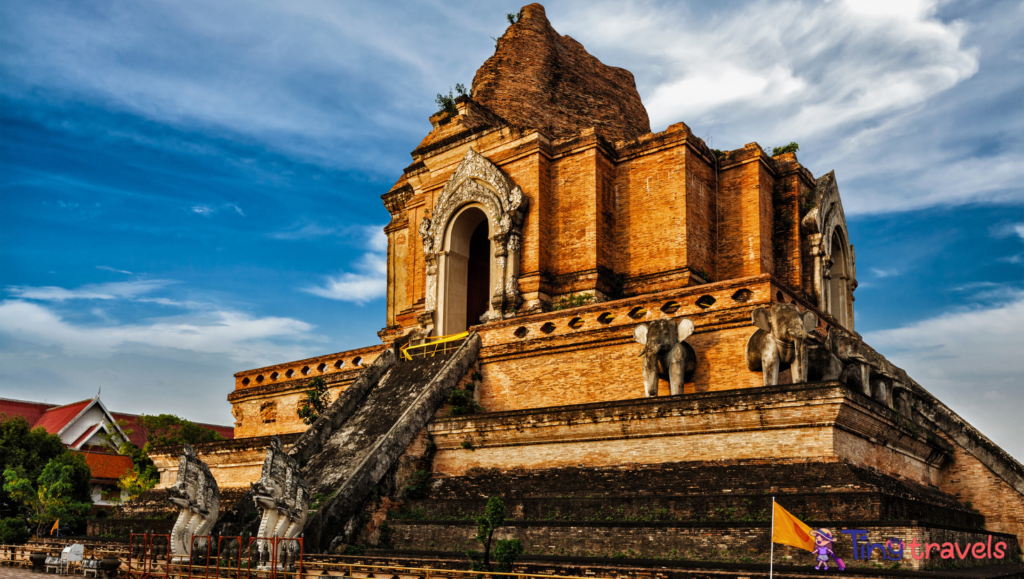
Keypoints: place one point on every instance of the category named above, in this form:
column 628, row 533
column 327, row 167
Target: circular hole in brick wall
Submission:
column 357, row 361
column 742, row 295
column 576, row 323
column 274, row 376
column 289, row 373
column 670, row 307
column 521, row 332
column 305, row 370
column 705, row 302
column 339, row 364
column 547, row 328
column 606, row 318
column 637, row 312
column 321, row 367
column 780, row 298
column 259, row 379
column 245, row 381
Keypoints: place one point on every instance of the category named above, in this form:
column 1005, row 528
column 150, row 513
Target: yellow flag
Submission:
column 789, row 530
column 55, row 525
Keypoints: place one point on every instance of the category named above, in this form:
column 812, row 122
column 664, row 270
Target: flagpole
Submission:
column 771, row 558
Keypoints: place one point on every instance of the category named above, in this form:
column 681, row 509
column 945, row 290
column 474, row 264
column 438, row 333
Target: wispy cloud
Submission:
column 115, row 270
column 207, row 210
column 103, row 291
column 371, row 280
column 884, row 273
column 235, row 334
column 971, row 359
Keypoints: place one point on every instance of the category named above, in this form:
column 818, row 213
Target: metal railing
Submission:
column 434, row 345
column 262, row 558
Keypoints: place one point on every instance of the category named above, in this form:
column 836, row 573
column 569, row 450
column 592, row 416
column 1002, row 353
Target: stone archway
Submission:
column 482, row 187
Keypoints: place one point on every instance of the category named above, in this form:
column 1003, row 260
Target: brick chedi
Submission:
column 538, row 79
column 545, row 219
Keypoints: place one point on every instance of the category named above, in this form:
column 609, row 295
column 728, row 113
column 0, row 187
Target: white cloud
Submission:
column 102, row 291
column 371, row 283
column 883, row 273
column 818, row 66
column 972, row 360
column 237, row 335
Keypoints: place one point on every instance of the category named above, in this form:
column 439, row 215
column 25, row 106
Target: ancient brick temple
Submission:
column 546, row 218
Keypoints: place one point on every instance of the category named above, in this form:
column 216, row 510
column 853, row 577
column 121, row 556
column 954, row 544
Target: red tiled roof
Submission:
column 54, row 419
column 109, row 466
column 30, row 411
column 138, row 439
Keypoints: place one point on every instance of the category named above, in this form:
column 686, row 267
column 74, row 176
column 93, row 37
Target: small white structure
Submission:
column 70, row 554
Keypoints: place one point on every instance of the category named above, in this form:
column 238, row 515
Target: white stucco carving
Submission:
column 282, row 495
column 479, row 181
column 195, row 492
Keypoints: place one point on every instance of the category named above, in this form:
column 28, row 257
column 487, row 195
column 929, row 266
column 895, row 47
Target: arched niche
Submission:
column 831, row 258
column 477, row 188
column 838, row 302
column 465, row 270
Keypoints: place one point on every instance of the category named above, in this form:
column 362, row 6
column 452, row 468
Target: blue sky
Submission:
column 192, row 189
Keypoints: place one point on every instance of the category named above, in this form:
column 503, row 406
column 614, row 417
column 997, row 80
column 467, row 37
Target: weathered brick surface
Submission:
column 809, row 421
column 542, row 80
column 726, row 542
column 266, row 400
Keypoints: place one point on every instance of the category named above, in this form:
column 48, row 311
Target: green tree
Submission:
column 28, row 450
column 486, row 524
column 318, row 398
column 51, row 498
column 168, row 429
column 137, row 481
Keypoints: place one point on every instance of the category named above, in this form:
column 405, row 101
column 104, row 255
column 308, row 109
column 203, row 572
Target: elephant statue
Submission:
column 781, row 339
column 666, row 354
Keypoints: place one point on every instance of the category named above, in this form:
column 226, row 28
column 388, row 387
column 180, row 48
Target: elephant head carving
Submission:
column 666, row 354
column 780, row 340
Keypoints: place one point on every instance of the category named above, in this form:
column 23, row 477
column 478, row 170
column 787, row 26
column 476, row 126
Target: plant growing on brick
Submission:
column 463, row 403
column 318, row 398
column 792, row 147
column 446, row 103
column 416, row 487
column 486, row 524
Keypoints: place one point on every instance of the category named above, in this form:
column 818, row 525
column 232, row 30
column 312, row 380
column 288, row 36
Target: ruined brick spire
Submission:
column 538, row 79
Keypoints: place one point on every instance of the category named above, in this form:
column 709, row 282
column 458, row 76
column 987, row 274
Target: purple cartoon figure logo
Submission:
column 823, row 542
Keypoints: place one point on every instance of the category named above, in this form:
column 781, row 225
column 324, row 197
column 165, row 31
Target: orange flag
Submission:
column 789, row 530
column 55, row 525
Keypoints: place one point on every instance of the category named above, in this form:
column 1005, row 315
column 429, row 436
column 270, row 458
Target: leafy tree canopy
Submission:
column 27, row 451
column 52, row 497
column 168, row 429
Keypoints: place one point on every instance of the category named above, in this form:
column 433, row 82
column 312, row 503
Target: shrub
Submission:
column 463, row 403
column 446, row 103
column 792, row 147
column 416, row 488
column 505, row 553
column 13, row 531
